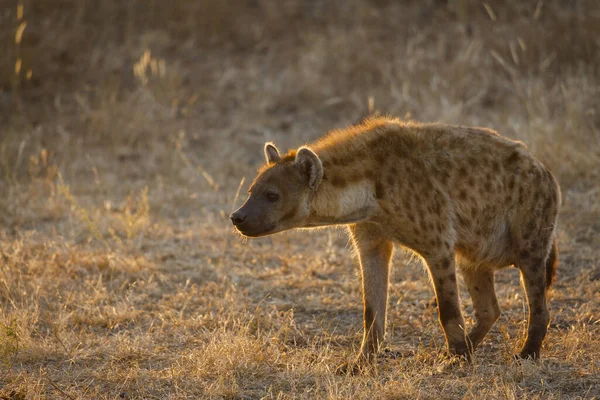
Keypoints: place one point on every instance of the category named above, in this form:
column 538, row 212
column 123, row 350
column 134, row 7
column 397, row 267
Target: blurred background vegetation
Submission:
column 238, row 71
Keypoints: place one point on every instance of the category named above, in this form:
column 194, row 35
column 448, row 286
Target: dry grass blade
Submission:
column 59, row 390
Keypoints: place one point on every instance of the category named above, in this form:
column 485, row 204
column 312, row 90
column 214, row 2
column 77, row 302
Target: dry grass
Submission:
column 120, row 276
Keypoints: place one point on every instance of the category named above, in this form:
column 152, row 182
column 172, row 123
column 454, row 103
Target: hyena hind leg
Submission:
column 533, row 272
column 485, row 304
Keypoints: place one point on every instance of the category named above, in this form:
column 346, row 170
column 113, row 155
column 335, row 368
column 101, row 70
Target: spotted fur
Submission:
column 456, row 196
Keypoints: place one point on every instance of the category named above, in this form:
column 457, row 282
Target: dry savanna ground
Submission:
column 127, row 129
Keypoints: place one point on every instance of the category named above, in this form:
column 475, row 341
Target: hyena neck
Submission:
column 337, row 205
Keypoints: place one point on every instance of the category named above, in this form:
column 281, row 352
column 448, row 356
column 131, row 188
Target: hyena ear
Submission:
column 271, row 153
column 311, row 164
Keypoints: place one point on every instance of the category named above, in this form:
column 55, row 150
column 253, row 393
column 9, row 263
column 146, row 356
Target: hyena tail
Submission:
column 551, row 264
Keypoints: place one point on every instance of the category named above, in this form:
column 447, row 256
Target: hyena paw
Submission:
column 460, row 352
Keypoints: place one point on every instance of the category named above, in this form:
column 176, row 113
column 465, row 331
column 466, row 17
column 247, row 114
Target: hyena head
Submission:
column 280, row 196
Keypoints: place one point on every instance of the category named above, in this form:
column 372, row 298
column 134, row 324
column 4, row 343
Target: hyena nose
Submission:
column 238, row 217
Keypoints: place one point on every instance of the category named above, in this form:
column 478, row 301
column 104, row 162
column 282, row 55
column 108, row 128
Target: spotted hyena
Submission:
column 454, row 195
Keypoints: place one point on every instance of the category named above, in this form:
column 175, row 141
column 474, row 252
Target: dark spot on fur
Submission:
column 407, row 203
column 446, row 263
column 476, row 288
column 511, row 183
column 391, row 179
column 360, row 153
column 473, row 162
column 462, row 194
column 338, row 181
column 401, row 151
column 513, row 158
column 452, row 278
column 524, row 254
column 379, row 190
column 521, row 195
column 462, row 172
column 448, row 311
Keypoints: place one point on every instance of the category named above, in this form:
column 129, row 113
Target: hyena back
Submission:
column 449, row 193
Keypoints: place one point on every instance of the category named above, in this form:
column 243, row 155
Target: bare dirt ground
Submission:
column 126, row 128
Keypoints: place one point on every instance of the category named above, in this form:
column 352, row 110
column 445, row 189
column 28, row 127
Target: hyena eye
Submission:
column 272, row 196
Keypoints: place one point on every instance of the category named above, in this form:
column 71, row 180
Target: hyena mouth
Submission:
column 256, row 231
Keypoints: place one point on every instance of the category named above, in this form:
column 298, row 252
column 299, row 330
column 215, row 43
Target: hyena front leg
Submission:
column 444, row 281
column 374, row 255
